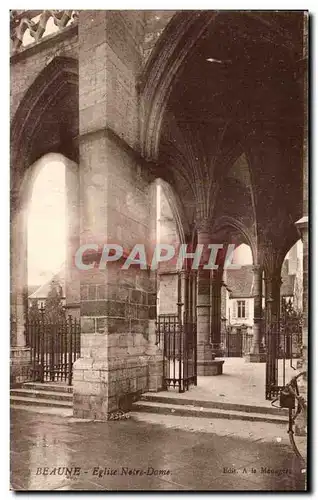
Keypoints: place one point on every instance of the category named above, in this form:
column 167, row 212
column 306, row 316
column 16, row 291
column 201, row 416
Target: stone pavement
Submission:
column 141, row 455
column 241, row 382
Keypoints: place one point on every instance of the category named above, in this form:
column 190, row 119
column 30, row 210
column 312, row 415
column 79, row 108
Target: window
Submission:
column 241, row 309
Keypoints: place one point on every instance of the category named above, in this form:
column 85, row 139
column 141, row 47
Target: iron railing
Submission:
column 236, row 341
column 178, row 343
column 54, row 345
column 283, row 347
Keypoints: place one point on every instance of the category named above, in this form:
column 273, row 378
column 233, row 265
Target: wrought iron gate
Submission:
column 176, row 335
column 178, row 342
column 55, row 346
column 236, row 342
column 283, row 348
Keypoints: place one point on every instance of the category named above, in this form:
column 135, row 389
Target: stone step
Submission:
column 34, row 401
column 197, row 411
column 44, row 410
column 48, row 386
column 41, row 394
column 175, row 400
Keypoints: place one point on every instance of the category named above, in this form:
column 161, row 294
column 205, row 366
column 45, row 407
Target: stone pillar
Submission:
column 205, row 355
column 72, row 274
column 118, row 306
column 302, row 224
column 272, row 316
column 256, row 355
column 301, row 422
column 216, row 286
column 19, row 350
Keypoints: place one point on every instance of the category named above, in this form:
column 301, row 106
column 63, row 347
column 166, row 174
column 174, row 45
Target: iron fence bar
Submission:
column 65, row 329
column 179, row 329
column 59, row 332
column 70, row 351
column 41, row 339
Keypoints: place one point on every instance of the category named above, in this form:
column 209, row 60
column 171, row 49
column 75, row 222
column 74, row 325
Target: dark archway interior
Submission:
column 238, row 91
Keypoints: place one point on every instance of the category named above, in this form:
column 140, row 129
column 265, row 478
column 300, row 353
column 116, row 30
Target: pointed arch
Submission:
column 52, row 96
column 177, row 211
column 227, row 221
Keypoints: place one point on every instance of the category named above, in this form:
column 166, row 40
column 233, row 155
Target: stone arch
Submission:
column 51, row 89
column 177, row 211
column 46, row 121
column 227, row 221
column 246, row 179
column 165, row 65
column 19, row 239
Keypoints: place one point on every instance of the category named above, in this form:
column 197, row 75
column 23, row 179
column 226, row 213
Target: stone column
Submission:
column 118, row 305
column 205, row 355
column 272, row 316
column 19, row 350
column 302, row 224
column 256, row 355
column 216, row 286
column 72, row 274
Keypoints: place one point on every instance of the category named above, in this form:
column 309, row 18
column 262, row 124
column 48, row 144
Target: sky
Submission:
column 46, row 223
column 243, row 255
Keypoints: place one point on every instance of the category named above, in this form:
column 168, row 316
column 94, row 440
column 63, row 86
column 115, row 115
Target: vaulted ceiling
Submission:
column 240, row 90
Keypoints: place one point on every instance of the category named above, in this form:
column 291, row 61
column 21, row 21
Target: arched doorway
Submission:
column 284, row 342
column 46, row 122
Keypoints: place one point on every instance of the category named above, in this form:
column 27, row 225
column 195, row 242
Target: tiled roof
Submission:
column 43, row 290
column 32, row 289
column 240, row 282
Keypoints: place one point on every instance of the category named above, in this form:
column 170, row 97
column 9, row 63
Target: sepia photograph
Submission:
column 159, row 245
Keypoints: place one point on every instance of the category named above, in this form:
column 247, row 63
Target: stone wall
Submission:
column 110, row 58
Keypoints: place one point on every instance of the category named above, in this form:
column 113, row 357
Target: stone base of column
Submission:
column 102, row 387
column 210, row 368
column 255, row 357
column 20, row 365
column 217, row 350
column 155, row 373
column 207, row 365
column 155, row 357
